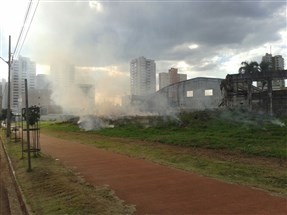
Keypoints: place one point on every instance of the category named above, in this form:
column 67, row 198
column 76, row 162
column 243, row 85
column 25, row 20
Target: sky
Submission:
column 200, row 38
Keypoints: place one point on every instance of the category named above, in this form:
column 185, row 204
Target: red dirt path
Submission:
column 156, row 189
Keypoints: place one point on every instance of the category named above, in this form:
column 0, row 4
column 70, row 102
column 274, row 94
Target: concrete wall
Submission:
column 192, row 94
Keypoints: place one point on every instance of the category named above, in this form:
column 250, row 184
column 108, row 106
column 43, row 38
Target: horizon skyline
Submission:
column 201, row 39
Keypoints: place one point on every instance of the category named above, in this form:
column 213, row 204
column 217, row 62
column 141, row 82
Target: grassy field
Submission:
column 232, row 146
column 50, row 188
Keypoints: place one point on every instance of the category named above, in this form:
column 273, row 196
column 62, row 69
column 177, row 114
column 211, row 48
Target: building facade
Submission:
column 171, row 77
column 163, row 79
column 21, row 69
column 239, row 93
column 276, row 63
column 189, row 95
column 142, row 76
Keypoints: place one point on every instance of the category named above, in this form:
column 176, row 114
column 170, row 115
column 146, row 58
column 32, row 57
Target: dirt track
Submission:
column 9, row 200
column 156, row 189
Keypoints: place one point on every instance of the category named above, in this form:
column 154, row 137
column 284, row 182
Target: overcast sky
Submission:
column 201, row 38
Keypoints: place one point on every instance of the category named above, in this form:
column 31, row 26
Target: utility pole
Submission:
column 27, row 126
column 9, row 92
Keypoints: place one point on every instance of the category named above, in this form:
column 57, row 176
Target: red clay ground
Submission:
column 156, row 189
column 9, row 201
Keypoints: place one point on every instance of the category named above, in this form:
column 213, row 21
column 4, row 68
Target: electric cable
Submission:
column 28, row 28
column 23, row 26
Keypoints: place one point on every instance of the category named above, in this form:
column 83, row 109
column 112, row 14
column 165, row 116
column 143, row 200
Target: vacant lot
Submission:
column 235, row 147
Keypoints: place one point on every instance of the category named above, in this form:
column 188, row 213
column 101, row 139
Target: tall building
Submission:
column 278, row 62
column 171, row 77
column 142, row 76
column 268, row 59
column 275, row 63
column 4, row 89
column 163, row 79
column 21, row 69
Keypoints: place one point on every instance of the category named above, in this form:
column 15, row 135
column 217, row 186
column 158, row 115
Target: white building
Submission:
column 21, row 69
column 4, row 87
column 142, row 76
column 278, row 62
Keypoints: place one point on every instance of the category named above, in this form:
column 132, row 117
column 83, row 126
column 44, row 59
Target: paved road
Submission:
column 156, row 189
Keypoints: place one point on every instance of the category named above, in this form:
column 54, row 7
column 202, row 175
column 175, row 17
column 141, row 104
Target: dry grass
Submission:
column 50, row 188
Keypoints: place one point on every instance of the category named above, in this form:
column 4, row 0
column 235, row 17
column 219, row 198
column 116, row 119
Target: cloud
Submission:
column 108, row 33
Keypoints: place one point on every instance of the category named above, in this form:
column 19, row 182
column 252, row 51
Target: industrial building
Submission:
column 189, row 95
column 240, row 92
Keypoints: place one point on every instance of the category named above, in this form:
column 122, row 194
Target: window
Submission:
column 208, row 92
column 189, row 93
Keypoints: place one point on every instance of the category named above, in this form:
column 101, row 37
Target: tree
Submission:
column 264, row 66
column 33, row 114
column 3, row 114
column 249, row 68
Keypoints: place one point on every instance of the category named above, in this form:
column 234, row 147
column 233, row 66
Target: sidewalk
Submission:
column 156, row 189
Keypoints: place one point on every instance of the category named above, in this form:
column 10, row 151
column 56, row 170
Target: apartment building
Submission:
column 21, row 69
column 142, row 76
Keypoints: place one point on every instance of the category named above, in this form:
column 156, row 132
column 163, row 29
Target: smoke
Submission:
column 89, row 123
column 278, row 122
column 249, row 118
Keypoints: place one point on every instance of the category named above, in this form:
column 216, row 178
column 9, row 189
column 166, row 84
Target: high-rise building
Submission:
column 142, row 76
column 275, row 63
column 21, row 69
column 171, row 77
column 4, row 89
column 278, row 62
column 163, row 79
column 268, row 59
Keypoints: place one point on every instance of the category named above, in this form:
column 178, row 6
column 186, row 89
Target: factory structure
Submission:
column 263, row 91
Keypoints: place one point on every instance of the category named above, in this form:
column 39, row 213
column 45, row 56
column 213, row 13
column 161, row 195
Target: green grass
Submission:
column 262, row 139
column 242, row 132
column 50, row 188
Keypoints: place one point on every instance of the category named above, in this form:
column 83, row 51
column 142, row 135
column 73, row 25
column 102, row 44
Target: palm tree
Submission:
column 264, row 66
column 248, row 68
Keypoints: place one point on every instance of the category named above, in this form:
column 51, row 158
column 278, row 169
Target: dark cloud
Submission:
column 125, row 30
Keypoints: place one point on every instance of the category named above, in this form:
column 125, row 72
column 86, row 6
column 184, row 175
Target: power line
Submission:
column 23, row 26
column 28, row 28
